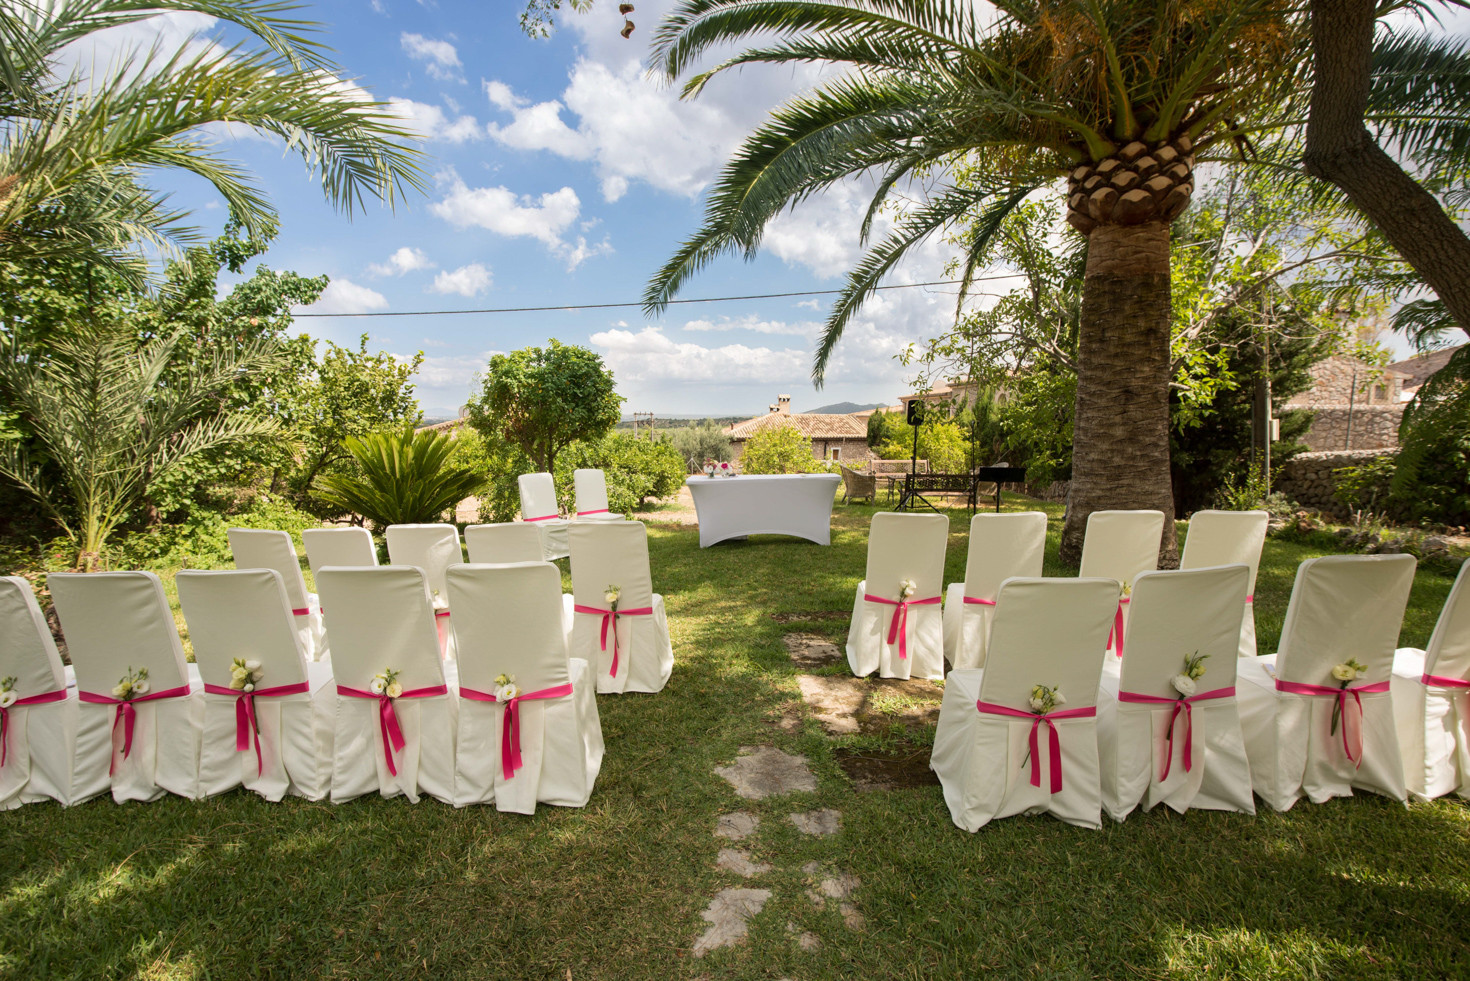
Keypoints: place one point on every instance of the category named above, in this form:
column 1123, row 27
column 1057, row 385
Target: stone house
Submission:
column 834, row 436
column 1355, row 405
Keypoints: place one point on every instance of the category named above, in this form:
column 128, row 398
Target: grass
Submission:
column 234, row 887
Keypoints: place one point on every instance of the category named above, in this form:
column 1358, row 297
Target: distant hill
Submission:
column 843, row 408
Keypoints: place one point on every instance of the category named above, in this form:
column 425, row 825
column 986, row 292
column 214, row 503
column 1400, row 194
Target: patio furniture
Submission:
column 857, row 485
column 40, row 726
column 1431, row 701
column 590, row 487
column 799, row 505
column 895, row 634
column 626, row 642
column 1001, row 546
column 538, row 507
column 1225, row 538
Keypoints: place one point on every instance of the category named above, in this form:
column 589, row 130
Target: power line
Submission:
column 612, row 306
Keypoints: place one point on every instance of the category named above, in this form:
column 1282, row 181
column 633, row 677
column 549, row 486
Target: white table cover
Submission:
column 765, row 504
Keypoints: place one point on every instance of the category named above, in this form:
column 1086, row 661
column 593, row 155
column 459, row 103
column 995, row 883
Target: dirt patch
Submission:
column 846, row 705
column 811, row 615
column 811, row 650
column 869, row 770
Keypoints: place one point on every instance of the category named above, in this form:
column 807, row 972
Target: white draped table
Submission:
column 761, row 504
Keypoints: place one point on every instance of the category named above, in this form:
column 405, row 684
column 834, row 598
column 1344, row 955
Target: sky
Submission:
column 561, row 175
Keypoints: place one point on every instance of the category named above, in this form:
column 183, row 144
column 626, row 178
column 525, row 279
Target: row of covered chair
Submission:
column 539, row 506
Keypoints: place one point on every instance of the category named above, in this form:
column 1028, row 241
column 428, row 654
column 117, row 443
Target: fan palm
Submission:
column 405, row 479
column 1121, row 98
column 75, row 149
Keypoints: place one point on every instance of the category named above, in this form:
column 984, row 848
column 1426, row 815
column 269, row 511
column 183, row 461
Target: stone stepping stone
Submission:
column 740, row 862
column 729, row 916
column 839, row 887
column 823, row 822
column 833, row 701
column 761, row 771
column 805, row 939
column 811, row 650
column 736, row 826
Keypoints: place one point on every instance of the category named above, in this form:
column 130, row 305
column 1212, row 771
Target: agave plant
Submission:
column 404, row 478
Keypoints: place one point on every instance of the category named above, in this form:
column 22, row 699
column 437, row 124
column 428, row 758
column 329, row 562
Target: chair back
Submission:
column 1343, row 606
column 381, row 618
column 906, row 546
column 610, row 553
column 508, row 621
column 1048, row 632
column 538, row 496
column 512, row 541
column 590, row 487
column 28, row 653
column 1226, row 538
column 855, row 484
column 116, row 621
column 1121, row 544
column 1179, row 614
column 338, row 546
column 433, row 548
column 1448, row 653
column 265, row 548
column 1003, row 546
column 241, row 613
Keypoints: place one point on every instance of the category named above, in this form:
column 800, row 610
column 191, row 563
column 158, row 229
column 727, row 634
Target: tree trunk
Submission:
column 1120, row 446
column 1341, row 150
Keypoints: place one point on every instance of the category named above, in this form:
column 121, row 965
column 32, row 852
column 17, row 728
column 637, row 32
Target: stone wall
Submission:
column 1307, row 477
column 1339, row 380
column 1374, row 427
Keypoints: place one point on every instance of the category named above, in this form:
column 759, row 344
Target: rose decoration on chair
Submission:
column 133, row 684
column 907, row 588
column 7, row 692
column 386, row 683
column 1345, row 674
column 505, row 687
column 245, row 674
column 1044, row 698
column 610, row 596
column 1194, row 670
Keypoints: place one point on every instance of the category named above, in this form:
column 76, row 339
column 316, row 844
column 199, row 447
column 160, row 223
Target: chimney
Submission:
column 783, row 404
column 773, row 408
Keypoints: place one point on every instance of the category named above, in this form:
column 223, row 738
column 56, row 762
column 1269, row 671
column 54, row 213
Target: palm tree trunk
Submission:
column 1120, row 446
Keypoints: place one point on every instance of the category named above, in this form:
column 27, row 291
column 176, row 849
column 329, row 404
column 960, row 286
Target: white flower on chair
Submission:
column 1183, row 684
column 1347, row 671
column 505, row 687
column 244, row 675
column 1194, row 669
column 385, row 682
column 611, row 594
column 7, row 692
column 378, row 686
column 1044, row 698
column 907, row 588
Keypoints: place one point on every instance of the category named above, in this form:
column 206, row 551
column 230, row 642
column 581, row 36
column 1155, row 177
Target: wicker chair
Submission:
column 856, row 485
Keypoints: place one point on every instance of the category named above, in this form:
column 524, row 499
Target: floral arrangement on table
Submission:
column 1345, row 674
column 7, row 692
column 907, row 588
column 385, row 682
column 709, row 466
column 1194, row 670
column 505, row 687
column 244, row 674
column 610, row 595
column 133, row 684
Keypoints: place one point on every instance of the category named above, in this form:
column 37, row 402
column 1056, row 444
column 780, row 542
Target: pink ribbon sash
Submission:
column 898, row 626
column 245, row 725
column 41, row 699
column 393, row 740
column 1349, row 742
column 610, row 617
column 440, row 617
column 1054, row 741
column 593, row 511
column 126, row 714
column 510, row 727
column 977, row 601
column 1115, row 636
column 544, row 517
column 305, row 611
column 1428, row 679
column 1180, row 704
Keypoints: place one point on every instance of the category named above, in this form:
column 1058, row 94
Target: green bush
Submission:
column 780, row 450
column 635, row 469
column 203, row 541
column 941, row 442
column 407, row 478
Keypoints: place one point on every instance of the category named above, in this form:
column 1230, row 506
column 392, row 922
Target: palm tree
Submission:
column 406, row 478
column 75, row 150
column 1121, row 98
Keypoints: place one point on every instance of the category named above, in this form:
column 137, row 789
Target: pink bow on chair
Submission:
column 610, row 619
column 49, row 696
column 1341, row 694
column 126, row 714
column 393, row 740
column 245, row 725
column 1116, row 634
column 510, row 728
column 898, row 626
column 1180, row 704
column 1054, row 741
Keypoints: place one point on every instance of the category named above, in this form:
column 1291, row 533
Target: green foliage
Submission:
column 1036, row 422
column 782, row 449
column 539, row 18
column 406, row 478
column 1364, row 487
column 705, row 440
column 202, row 541
column 541, row 400
column 1433, row 476
column 941, row 441
column 886, row 427
column 636, row 470
column 1247, row 494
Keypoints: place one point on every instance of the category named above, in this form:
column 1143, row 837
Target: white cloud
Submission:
column 540, row 127
column 503, row 212
column 575, row 255
column 449, row 371
column 650, row 356
column 440, row 58
column 501, row 95
column 405, row 260
column 471, row 280
column 345, row 296
column 752, row 323
column 434, row 123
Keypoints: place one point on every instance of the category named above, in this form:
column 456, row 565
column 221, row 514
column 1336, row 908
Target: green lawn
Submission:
column 234, row 887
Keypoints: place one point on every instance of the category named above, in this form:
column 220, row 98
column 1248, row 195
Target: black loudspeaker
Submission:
column 915, row 413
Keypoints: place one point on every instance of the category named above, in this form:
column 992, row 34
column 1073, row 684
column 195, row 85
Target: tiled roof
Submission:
column 447, row 425
column 1418, row 370
column 810, row 424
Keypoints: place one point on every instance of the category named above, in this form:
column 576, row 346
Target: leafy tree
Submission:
column 705, row 440
column 541, row 400
column 106, row 428
column 885, row 427
column 941, row 441
column 780, row 450
column 636, row 470
column 406, row 478
column 73, row 146
column 539, row 17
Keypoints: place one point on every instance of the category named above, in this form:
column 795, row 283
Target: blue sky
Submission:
column 560, row 174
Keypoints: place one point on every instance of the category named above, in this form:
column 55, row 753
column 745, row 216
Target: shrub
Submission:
column 706, row 440
column 635, row 469
column 780, row 450
column 203, row 541
column 406, row 478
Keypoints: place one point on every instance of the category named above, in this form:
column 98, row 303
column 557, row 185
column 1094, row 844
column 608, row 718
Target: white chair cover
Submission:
column 1120, row 545
column 512, row 541
column 607, row 553
column 246, row 614
column 538, row 507
column 1176, row 615
column 348, row 547
column 259, row 548
column 590, row 487
column 1431, row 701
column 511, row 624
column 1002, row 546
column 1046, row 632
column 113, row 622
column 900, row 546
column 1227, row 538
column 1342, row 606
column 380, row 619
column 433, row 548
column 40, row 727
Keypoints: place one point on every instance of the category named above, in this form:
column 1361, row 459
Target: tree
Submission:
column 73, row 146
column 782, row 449
column 106, row 428
column 406, row 478
column 1120, row 98
column 705, row 440
column 541, row 400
